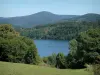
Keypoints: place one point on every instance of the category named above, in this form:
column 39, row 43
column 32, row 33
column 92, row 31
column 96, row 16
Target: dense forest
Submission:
column 60, row 31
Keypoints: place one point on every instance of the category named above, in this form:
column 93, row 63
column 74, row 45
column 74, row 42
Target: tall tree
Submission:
column 60, row 61
column 85, row 49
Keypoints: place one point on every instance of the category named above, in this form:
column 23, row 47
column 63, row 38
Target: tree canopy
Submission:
column 85, row 49
column 60, row 31
column 15, row 48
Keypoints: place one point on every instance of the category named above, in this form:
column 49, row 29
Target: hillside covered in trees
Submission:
column 39, row 18
column 59, row 31
column 16, row 48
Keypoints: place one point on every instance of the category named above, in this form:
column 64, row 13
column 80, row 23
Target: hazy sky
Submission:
column 10, row 8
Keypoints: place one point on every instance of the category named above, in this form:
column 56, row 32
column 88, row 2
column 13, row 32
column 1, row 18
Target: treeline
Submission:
column 16, row 48
column 85, row 49
column 60, row 31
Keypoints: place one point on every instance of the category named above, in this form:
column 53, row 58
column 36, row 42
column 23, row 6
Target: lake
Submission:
column 47, row 47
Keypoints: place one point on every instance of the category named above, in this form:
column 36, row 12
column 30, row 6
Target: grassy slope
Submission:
column 23, row 69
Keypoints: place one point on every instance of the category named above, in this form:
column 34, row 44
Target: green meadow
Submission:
column 7, row 68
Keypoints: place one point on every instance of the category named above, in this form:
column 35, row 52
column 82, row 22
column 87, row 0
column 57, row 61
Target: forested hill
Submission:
column 90, row 17
column 39, row 18
column 44, row 17
column 59, row 31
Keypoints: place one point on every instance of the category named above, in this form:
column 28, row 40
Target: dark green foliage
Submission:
column 60, row 61
column 12, row 50
column 57, row 61
column 62, row 31
column 89, row 45
column 96, row 69
column 15, row 48
column 74, row 63
column 50, row 60
column 73, row 47
column 85, row 49
column 45, row 60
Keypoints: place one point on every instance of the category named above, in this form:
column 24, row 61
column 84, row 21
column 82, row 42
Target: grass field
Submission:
column 23, row 69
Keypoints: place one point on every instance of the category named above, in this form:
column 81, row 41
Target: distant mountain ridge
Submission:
column 92, row 17
column 46, row 17
column 39, row 18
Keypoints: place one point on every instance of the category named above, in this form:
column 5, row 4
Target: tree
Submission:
column 85, row 49
column 50, row 60
column 73, row 47
column 88, row 47
column 60, row 61
column 16, row 48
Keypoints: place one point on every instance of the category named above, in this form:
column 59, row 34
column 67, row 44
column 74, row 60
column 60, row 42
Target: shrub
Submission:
column 96, row 69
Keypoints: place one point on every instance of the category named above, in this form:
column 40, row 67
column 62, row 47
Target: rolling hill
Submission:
column 90, row 17
column 45, row 17
column 39, row 18
column 23, row 69
column 60, row 31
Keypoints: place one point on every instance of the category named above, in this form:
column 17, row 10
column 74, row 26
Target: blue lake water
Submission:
column 47, row 47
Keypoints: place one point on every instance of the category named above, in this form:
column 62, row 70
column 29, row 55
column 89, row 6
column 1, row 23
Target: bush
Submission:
column 96, row 69
column 60, row 61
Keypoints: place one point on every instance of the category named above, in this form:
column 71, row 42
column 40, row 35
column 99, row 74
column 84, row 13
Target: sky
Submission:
column 12, row 8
